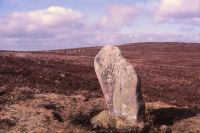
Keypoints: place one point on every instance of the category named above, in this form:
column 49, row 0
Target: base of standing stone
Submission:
column 106, row 121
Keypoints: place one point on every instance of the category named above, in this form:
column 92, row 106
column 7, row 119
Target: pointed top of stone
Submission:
column 109, row 49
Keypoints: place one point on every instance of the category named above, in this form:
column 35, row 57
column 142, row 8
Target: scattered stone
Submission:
column 62, row 75
column 120, row 84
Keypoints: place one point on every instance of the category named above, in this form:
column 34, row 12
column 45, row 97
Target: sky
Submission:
column 58, row 24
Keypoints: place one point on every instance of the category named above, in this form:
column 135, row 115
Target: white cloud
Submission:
column 184, row 10
column 120, row 15
column 42, row 29
column 36, row 23
column 58, row 27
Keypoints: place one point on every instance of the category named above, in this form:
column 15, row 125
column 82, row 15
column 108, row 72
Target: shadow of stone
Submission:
column 167, row 116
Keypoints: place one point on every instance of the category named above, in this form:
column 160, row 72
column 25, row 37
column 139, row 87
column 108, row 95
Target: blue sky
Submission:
column 55, row 24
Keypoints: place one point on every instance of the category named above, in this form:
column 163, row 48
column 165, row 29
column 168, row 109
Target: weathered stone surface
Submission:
column 120, row 84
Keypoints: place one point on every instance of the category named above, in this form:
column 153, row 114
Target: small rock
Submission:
column 62, row 75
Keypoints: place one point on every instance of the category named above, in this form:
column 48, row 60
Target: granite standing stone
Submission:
column 120, row 84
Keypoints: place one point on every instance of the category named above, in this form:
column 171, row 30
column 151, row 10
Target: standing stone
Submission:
column 120, row 84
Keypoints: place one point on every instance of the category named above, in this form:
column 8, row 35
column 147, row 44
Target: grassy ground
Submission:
column 50, row 85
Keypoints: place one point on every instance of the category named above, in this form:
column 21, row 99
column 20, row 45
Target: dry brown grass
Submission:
column 61, row 89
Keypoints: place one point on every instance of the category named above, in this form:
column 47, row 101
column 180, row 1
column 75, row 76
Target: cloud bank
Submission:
column 58, row 27
column 187, row 11
column 120, row 15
